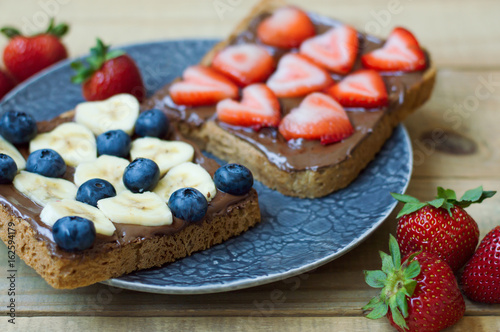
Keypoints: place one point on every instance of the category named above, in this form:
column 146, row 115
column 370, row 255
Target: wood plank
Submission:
column 231, row 324
column 459, row 34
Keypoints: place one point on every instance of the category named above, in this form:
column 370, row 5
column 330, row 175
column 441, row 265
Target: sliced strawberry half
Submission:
column 401, row 52
column 318, row 117
column 335, row 49
column 245, row 63
column 364, row 88
column 202, row 86
column 296, row 76
column 287, row 27
column 258, row 108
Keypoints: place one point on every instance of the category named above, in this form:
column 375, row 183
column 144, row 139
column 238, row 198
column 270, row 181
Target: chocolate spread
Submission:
column 299, row 155
column 21, row 206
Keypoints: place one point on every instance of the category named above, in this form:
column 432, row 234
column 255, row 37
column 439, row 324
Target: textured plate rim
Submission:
column 242, row 283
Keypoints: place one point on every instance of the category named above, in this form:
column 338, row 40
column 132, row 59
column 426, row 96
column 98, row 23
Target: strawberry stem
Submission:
column 446, row 198
column 98, row 56
column 56, row 30
column 397, row 283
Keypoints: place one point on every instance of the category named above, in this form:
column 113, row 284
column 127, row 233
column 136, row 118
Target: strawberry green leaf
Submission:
column 395, row 252
column 375, row 279
column 114, row 54
column 397, row 317
column 476, row 195
column 402, row 303
column 10, row 32
column 373, row 303
column 410, row 286
column 387, row 264
column 405, row 198
column 412, row 270
column 410, row 208
column 447, row 194
column 378, row 311
column 437, row 203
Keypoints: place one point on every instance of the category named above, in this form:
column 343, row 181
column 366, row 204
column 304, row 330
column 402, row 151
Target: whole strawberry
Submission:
column 440, row 226
column 421, row 294
column 481, row 276
column 25, row 56
column 6, row 83
column 108, row 73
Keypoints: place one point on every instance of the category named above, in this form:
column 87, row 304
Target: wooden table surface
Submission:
column 455, row 138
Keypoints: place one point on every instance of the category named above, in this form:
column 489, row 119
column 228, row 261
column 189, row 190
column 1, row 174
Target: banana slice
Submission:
column 109, row 168
column 43, row 190
column 11, row 151
column 146, row 209
column 118, row 112
column 74, row 142
column 69, row 207
column 166, row 154
column 186, row 175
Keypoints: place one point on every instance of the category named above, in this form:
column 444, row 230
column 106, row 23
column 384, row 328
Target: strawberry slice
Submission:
column 202, row 86
column 258, row 108
column 317, row 117
column 245, row 63
column 401, row 52
column 287, row 27
column 296, row 77
column 364, row 88
column 335, row 50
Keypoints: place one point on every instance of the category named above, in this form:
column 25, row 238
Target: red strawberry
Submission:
column 440, row 226
column 318, row 117
column 25, row 56
column 296, row 77
column 287, row 27
column 481, row 276
column 202, row 86
column 419, row 295
column 108, row 73
column 401, row 52
column 245, row 63
column 364, row 88
column 6, row 84
column 336, row 49
column 258, row 108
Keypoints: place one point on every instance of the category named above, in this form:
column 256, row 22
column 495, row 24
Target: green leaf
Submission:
column 375, row 279
column 410, row 286
column 10, row 32
column 387, row 264
column 472, row 195
column 410, row 208
column 412, row 271
column 397, row 317
column 395, row 253
column 373, row 303
column 447, row 194
column 60, row 30
column 114, row 54
column 402, row 303
column 378, row 312
column 405, row 198
column 437, row 203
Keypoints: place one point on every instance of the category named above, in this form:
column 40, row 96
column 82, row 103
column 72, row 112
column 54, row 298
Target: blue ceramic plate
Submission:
column 295, row 236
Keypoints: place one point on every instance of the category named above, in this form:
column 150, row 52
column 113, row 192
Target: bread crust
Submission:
column 303, row 183
column 60, row 272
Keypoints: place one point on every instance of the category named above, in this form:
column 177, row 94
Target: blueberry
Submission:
column 17, row 127
column 141, row 175
column 153, row 123
column 188, row 204
column 234, row 179
column 114, row 143
column 74, row 233
column 8, row 169
column 46, row 162
column 93, row 190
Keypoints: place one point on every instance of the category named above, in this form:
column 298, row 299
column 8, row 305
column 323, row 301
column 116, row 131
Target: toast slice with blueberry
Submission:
column 304, row 101
column 81, row 202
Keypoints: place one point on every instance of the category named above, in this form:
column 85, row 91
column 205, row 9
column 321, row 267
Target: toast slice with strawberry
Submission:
column 361, row 86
